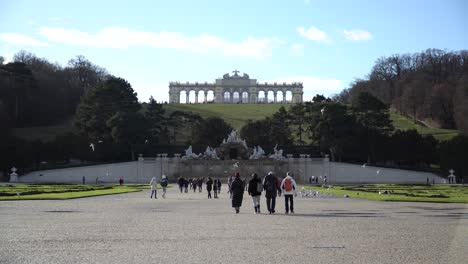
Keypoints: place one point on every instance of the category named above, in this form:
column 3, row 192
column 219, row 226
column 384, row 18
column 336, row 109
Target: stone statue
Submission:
column 246, row 76
column 232, row 137
column 13, row 175
column 210, row 153
column 258, row 153
column 278, row 153
column 189, row 154
column 226, row 76
column 452, row 178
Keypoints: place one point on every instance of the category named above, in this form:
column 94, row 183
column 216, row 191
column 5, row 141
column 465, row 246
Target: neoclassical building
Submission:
column 233, row 89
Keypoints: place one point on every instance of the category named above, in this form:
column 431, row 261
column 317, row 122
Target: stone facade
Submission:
column 233, row 89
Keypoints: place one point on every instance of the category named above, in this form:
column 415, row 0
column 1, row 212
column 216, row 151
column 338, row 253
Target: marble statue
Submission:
column 258, row 153
column 189, row 154
column 278, row 153
column 210, row 153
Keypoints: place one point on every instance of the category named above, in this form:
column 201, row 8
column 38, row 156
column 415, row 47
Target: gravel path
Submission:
column 188, row 228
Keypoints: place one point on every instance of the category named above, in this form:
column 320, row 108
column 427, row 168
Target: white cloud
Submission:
column 122, row 38
column 297, row 49
column 357, row 35
column 313, row 85
column 20, row 39
column 314, row 34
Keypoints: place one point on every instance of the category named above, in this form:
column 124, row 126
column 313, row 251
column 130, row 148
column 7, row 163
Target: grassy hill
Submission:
column 235, row 114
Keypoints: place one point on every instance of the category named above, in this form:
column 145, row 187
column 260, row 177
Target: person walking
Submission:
column 270, row 185
column 230, row 180
column 164, row 183
column 219, row 185
column 215, row 188
column 237, row 192
column 154, row 185
column 186, row 184
column 255, row 190
column 180, row 182
column 200, row 184
column 288, row 185
column 209, row 187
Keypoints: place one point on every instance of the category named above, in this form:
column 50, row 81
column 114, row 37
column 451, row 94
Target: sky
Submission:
column 324, row 44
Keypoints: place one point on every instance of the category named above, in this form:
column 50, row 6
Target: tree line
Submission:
column 429, row 86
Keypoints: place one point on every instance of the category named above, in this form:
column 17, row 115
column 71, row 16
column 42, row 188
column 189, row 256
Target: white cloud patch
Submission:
column 297, row 49
column 20, row 39
column 313, row 85
column 314, row 34
column 357, row 35
column 123, row 38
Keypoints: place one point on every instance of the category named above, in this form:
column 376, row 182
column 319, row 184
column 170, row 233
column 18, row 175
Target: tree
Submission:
column 156, row 121
column 454, row 155
column 212, row 131
column 372, row 114
column 102, row 103
column 296, row 116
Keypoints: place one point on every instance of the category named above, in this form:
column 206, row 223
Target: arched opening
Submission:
column 288, row 97
column 245, row 97
column 235, row 97
column 183, row 97
column 261, row 97
column 269, row 98
column 192, row 97
column 279, row 97
column 227, row 97
column 210, row 97
column 201, row 97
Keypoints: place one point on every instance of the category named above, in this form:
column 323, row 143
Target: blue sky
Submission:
column 324, row 44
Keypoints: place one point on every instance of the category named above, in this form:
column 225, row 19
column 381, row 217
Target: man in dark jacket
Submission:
column 255, row 190
column 237, row 191
column 209, row 187
column 180, row 182
column 270, row 185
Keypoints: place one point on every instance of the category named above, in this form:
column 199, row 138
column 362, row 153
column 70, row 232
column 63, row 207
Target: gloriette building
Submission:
column 234, row 89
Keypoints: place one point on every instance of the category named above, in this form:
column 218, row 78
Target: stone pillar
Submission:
column 187, row 97
column 274, row 97
column 140, row 170
column 231, row 97
column 284, row 97
column 196, row 96
column 206, row 97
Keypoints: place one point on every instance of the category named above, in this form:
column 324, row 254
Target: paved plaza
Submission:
column 188, row 228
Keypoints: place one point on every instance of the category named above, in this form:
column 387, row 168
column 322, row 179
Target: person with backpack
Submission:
column 288, row 185
column 209, row 187
column 237, row 192
column 164, row 183
column 270, row 185
column 255, row 190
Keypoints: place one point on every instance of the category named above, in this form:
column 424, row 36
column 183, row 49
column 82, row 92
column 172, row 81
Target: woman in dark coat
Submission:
column 237, row 191
column 209, row 187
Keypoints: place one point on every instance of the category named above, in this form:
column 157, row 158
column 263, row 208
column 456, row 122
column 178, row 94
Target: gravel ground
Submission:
column 188, row 228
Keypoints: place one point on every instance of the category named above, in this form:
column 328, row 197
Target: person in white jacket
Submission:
column 288, row 187
column 154, row 185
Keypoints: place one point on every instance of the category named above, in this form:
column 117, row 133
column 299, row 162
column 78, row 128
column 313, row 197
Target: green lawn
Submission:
column 60, row 192
column 400, row 193
column 234, row 114
column 403, row 123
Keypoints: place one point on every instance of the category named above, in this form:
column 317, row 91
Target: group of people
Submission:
column 273, row 187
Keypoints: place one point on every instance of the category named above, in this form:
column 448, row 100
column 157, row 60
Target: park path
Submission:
column 188, row 228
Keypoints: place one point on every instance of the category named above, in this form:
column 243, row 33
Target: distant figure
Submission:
column 215, row 188
column 325, row 180
column 186, row 184
column 230, row 180
column 121, row 180
column 209, row 187
column 288, row 185
column 180, row 182
column 200, row 184
column 84, row 180
column 164, row 183
column 237, row 192
column 97, row 180
column 219, row 186
column 255, row 190
column 270, row 185
column 194, row 184
column 154, row 185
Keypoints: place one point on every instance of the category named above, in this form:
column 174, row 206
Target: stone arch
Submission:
column 226, row 97
column 245, row 97
column 280, row 97
column 261, row 96
column 269, row 96
column 289, row 96
column 209, row 96
column 192, row 96
column 183, row 97
column 235, row 97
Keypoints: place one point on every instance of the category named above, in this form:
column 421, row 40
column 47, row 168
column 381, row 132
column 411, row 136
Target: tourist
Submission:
column 84, row 180
column 209, row 187
column 200, row 184
column 186, row 183
column 288, row 185
column 154, row 185
column 237, row 192
column 164, row 184
column 215, row 188
column 121, row 180
column 325, row 180
column 230, row 180
column 255, row 190
column 180, row 182
column 270, row 185
column 219, row 186
column 194, row 184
